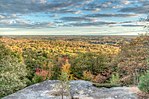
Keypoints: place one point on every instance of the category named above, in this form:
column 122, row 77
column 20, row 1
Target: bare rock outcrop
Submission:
column 79, row 89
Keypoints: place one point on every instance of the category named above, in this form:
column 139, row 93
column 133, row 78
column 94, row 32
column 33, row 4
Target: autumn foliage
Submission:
column 43, row 59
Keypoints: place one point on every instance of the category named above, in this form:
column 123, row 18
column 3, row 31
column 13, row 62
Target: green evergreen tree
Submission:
column 12, row 71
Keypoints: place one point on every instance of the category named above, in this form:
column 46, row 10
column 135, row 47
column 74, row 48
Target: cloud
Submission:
column 64, row 6
column 126, row 2
column 66, row 11
column 132, row 25
column 5, row 16
column 42, row 25
column 109, row 4
column 99, row 23
column 57, row 13
column 19, row 23
column 30, row 6
column 70, row 19
column 142, row 8
column 111, row 15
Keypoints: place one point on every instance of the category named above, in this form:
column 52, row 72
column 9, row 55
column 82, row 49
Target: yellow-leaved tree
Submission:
column 65, row 76
column 66, row 69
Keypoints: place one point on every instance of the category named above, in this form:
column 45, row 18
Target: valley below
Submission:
column 91, row 67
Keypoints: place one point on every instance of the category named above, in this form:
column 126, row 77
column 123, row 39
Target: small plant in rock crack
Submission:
column 63, row 87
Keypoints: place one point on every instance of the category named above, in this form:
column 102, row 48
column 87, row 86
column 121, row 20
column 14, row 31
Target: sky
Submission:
column 72, row 17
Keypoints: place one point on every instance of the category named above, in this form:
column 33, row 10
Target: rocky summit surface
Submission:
column 79, row 89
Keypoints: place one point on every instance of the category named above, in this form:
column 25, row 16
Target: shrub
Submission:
column 41, row 75
column 126, row 80
column 66, row 69
column 33, row 59
column 37, row 79
column 106, row 85
column 12, row 72
column 131, row 61
column 92, row 62
column 99, row 78
column 115, row 79
column 55, row 73
column 144, row 83
column 87, row 75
